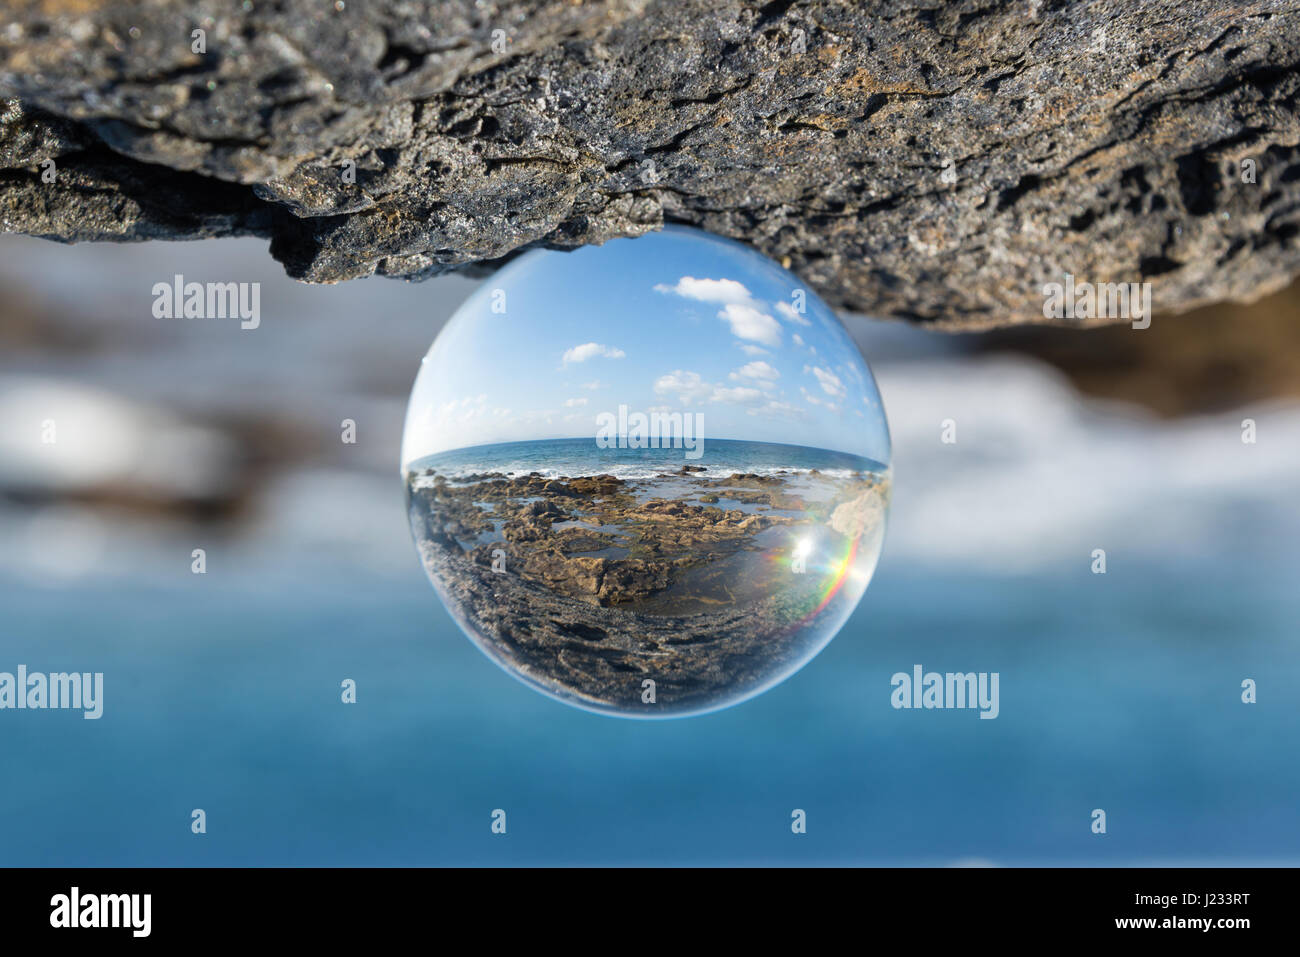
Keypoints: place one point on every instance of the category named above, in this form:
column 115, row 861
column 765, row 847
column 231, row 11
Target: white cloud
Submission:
column 814, row 399
column 575, row 403
column 830, row 382
column 775, row 407
column 757, row 373
column 464, row 411
column 739, row 395
column 798, row 340
column 590, row 350
column 753, row 350
column 789, row 312
column 687, row 386
column 691, row 389
column 721, row 291
column 740, row 310
column 749, row 323
column 593, row 385
column 756, row 370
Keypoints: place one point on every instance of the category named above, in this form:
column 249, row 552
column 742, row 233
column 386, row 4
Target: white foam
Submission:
column 1038, row 474
column 626, row 471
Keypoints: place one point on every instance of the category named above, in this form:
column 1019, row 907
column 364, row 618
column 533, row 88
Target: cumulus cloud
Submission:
column 748, row 322
column 575, row 403
column 759, row 372
column 777, row 407
column 691, row 388
column 739, row 394
column 687, row 386
column 749, row 350
column 789, row 312
column 813, row 399
column 746, row 316
column 829, row 381
column 720, row 291
column 592, row 350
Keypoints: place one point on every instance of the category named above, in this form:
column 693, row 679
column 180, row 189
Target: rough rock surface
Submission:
column 935, row 161
column 603, row 583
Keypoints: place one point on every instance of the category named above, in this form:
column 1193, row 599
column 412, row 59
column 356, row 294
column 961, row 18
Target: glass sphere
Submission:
column 649, row 478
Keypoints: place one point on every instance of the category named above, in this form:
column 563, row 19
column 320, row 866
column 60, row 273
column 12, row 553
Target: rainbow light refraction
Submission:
column 837, row 572
column 838, row 577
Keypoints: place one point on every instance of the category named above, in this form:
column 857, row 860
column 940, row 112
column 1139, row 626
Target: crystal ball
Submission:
column 648, row 478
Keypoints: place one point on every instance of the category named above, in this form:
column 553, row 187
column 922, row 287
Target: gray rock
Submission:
column 931, row 161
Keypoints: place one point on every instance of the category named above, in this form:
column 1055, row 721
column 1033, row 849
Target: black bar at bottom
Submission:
column 334, row 906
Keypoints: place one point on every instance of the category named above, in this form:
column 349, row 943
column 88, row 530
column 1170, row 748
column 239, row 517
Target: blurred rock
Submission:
column 1213, row 359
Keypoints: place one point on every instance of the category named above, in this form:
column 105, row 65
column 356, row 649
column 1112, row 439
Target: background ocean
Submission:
column 225, row 695
column 222, row 691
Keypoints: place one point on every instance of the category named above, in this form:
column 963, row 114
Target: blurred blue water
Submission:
column 1120, row 692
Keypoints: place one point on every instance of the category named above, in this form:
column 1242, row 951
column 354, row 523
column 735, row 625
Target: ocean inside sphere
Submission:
column 649, row 478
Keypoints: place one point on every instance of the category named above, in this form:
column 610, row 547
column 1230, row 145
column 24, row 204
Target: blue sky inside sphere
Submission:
column 676, row 321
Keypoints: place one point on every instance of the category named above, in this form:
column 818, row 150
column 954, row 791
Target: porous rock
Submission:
column 935, row 161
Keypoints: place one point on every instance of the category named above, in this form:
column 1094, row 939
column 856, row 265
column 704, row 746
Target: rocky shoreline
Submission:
column 588, row 586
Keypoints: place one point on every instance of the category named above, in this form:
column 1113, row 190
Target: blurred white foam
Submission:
column 62, row 437
column 1037, row 474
